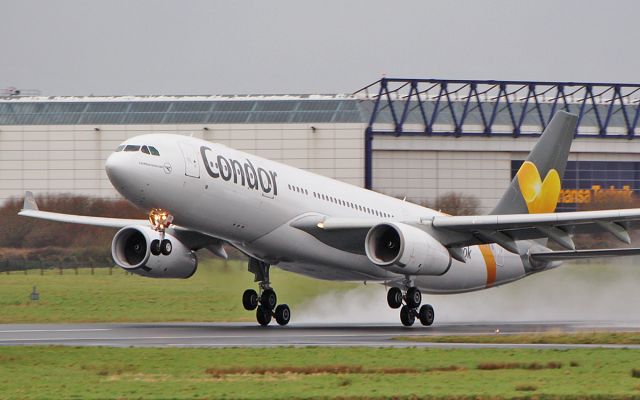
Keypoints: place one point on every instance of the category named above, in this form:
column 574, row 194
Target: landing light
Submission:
column 160, row 219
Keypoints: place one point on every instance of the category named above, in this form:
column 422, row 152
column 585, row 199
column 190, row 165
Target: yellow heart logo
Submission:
column 540, row 196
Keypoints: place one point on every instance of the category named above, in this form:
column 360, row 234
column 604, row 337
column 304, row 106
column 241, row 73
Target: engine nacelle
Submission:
column 406, row 250
column 131, row 250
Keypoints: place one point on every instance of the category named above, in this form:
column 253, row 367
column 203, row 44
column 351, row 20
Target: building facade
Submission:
column 427, row 146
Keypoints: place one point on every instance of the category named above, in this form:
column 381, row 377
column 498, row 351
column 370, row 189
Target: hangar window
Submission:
column 153, row 151
column 132, row 147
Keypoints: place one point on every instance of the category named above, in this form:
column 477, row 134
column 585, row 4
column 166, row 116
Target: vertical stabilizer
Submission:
column 536, row 186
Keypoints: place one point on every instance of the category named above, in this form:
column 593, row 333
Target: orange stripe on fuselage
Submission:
column 490, row 263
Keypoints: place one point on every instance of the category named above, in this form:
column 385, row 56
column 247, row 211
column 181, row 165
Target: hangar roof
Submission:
column 255, row 109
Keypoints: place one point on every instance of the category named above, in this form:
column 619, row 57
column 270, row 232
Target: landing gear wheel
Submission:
column 250, row 299
column 394, row 297
column 414, row 297
column 166, row 247
column 426, row 315
column 263, row 315
column 282, row 314
column 407, row 316
column 155, row 247
column 269, row 299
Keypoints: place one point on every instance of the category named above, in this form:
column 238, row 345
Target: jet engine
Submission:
column 406, row 250
column 132, row 250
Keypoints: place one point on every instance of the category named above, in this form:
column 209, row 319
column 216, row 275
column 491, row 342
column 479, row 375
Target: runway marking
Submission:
column 56, row 330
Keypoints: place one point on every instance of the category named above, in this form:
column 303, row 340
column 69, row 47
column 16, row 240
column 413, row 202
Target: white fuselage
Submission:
column 250, row 202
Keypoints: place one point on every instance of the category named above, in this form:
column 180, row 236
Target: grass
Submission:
column 624, row 338
column 213, row 294
column 151, row 373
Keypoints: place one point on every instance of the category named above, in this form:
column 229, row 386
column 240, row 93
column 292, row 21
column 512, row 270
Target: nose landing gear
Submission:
column 264, row 303
column 160, row 220
column 409, row 311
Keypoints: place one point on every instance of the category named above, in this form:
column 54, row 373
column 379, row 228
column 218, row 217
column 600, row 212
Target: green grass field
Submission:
column 213, row 294
column 624, row 338
column 60, row 372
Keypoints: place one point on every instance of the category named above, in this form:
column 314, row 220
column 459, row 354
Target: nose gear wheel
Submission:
column 160, row 220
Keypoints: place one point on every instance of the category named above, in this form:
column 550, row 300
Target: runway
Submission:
column 251, row 335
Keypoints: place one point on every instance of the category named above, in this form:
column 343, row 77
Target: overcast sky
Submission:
column 237, row 47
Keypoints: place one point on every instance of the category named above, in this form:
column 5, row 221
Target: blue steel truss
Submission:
column 443, row 107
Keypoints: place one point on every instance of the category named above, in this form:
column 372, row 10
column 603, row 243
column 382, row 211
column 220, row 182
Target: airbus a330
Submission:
column 206, row 195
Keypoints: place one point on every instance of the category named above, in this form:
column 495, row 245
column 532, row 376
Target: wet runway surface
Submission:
column 251, row 335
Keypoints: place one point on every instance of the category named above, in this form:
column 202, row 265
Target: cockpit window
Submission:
column 132, row 147
column 120, row 148
column 154, row 151
column 144, row 149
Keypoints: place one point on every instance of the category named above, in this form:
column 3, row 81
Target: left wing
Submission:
column 348, row 234
column 505, row 229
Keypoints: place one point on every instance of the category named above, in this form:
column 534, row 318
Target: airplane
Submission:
column 207, row 195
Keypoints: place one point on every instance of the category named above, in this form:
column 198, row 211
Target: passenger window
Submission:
column 145, row 150
column 120, row 148
column 153, row 151
column 132, row 147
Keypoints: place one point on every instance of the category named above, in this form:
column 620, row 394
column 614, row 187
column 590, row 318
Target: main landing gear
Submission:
column 265, row 302
column 160, row 220
column 409, row 311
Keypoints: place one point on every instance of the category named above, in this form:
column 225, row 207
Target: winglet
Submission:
column 29, row 202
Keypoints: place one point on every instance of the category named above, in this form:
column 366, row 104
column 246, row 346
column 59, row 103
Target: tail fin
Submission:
column 536, row 186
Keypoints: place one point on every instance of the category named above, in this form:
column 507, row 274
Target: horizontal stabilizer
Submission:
column 580, row 254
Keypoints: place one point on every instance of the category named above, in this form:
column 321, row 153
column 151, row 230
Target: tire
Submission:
column 406, row 316
column 414, row 297
column 155, row 247
column 282, row 314
column 263, row 315
column 166, row 247
column 269, row 299
column 426, row 315
column 250, row 299
column 394, row 297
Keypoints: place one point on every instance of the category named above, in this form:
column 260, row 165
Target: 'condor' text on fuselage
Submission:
column 242, row 173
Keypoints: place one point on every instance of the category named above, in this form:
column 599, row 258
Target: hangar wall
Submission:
column 424, row 168
column 70, row 158
column 59, row 144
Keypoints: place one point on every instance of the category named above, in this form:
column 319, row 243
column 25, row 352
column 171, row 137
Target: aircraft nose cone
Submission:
column 115, row 168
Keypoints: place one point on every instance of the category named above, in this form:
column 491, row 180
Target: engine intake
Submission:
column 131, row 250
column 405, row 249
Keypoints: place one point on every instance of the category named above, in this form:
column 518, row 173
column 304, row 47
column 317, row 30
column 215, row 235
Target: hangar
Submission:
column 418, row 138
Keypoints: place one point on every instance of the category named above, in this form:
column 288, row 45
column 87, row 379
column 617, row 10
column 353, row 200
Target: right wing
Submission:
column 192, row 239
column 30, row 209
